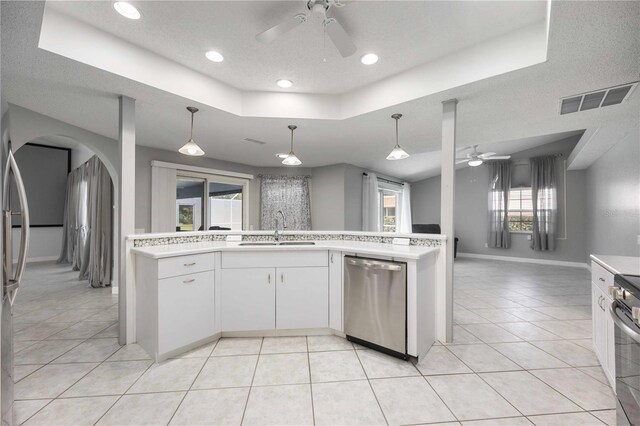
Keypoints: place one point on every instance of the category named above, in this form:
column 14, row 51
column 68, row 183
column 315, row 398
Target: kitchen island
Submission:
column 191, row 289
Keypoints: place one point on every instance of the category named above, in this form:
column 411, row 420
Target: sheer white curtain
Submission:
column 404, row 210
column 370, row 203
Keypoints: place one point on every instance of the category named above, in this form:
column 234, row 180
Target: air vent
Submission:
column 254, row 141
column 598, row 99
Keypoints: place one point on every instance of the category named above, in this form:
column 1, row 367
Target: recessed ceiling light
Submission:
column 369, row 59
column 127, row 10
column 282, row 155
column 285, row 84
column 214, row 56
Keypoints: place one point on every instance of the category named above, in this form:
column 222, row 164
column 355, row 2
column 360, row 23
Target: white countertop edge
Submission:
column 396, row 252
column 362, row 233
column 618, row 264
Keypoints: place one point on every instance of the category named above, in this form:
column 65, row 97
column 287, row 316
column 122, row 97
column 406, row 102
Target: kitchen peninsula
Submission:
column 191, row 288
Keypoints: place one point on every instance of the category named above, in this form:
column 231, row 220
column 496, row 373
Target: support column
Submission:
column 447, row 217
column 126, row 213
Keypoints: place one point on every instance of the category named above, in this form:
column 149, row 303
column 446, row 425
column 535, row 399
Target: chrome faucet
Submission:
column 276, row 235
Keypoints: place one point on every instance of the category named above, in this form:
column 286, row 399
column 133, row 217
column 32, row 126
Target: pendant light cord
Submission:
column 397, row 144
column 192, row 125
column 291, row 140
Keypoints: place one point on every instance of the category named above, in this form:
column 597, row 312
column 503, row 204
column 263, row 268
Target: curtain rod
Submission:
column 384, row 180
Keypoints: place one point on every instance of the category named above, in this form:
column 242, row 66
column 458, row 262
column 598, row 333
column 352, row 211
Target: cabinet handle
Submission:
column 601, row 279
column 331, row 257
column 190, row 264
column 269, row 279
column 282, row 278
column 189, row 281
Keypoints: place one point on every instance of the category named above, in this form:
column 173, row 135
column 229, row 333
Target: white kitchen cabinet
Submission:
column 248, row 299
column 174, row 307
column 185, row 304
column 603, row 326
column 336, row 290
column 302, row 298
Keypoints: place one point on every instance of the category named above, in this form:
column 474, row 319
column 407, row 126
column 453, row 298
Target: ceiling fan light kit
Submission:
column 397, row 153
column 191, row 147
column 477, row 158
column 317, row 13
column 291, row 159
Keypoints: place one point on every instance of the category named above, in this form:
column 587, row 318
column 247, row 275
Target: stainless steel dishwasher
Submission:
column 375, row 304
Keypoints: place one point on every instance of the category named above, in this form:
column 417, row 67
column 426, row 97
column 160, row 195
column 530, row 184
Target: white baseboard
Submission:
column 525, row 260
column 38, row 259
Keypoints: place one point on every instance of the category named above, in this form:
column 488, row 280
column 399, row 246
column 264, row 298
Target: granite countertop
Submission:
column 618, row 264
column 379, row 249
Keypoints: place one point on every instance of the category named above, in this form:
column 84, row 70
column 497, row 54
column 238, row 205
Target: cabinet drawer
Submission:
column 277, row 259
column 183, row 265
column 185, row 308
column 601, row 277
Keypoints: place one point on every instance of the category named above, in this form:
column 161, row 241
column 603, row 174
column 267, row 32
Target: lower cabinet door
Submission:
column 599, row 326
column 302, row 298
column 185, row 306
column 248, row 299
column 610, row 368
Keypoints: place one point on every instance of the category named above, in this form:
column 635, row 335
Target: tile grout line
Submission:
column 244, row 411
column 371, row 387
column 193, row 381
column 313, row 410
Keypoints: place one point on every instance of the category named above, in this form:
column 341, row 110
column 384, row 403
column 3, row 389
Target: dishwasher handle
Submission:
column 372, row 264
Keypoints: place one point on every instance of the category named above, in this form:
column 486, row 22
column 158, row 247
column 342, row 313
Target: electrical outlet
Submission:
column 486, row 244
column 638, row 239
column 529, row 237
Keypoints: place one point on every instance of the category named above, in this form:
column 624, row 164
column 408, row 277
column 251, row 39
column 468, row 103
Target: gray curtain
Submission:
column 87, row 242
column 545, row 204
column 498, row 202
column 290, row 194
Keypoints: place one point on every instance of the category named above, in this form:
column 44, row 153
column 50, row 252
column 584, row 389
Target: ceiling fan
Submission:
column 476, row 158
column 318, row 13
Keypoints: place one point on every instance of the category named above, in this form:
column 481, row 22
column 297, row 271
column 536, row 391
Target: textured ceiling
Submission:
column 403, row 33
column 592, row 45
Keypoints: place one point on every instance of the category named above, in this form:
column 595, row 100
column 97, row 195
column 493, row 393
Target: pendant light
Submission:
column 191, row 147
column 397, row 153
column 291, row 159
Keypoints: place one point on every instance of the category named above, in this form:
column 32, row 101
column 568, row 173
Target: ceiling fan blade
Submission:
column 486, row 154
column 460, row 161
column 464, row 148
column 340, row 38
column 499, row 157
column 285, row 26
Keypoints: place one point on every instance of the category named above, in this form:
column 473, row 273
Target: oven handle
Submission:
column 620, row 323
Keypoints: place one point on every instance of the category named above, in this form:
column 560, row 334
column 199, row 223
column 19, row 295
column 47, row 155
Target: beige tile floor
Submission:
column 521, row 355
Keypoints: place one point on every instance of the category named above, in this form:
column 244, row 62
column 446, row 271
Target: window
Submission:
column 520, row 211
column 388, row 205
column 222, row 208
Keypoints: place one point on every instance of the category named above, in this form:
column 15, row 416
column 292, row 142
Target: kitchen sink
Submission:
column 284, row 243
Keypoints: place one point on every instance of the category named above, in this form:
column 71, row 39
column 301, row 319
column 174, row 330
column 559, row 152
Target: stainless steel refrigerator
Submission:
column 11, row 276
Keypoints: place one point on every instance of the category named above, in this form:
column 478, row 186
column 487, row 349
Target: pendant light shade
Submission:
column 191, row 147
column 397, row 153
column 292, row 159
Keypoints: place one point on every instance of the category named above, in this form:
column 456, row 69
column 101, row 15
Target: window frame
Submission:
column 209, row 178
column 519, row 188
column 396, row 190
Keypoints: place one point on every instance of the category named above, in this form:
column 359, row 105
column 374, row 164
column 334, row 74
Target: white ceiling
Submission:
column 591, row 45
column 403, row 33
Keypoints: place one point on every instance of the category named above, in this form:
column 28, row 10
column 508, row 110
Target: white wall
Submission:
column 44, row 244
column 328, row 198
column 613, row 200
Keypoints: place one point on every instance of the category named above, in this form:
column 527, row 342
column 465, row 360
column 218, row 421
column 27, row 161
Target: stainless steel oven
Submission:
column 625, row 312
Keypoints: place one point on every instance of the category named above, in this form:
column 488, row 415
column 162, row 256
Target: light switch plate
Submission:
column 402, row 241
